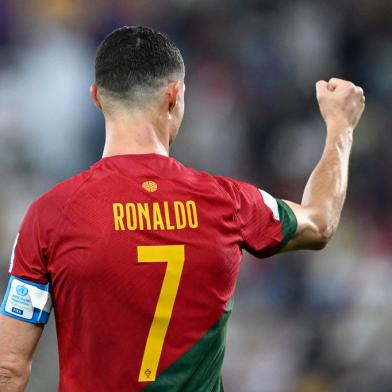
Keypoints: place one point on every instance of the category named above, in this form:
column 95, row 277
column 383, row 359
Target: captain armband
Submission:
column 27, row 301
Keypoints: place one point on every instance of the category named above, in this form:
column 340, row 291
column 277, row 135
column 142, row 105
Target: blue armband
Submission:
column 27, row 301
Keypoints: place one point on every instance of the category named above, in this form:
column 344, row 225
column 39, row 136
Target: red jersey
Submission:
column 142, row 256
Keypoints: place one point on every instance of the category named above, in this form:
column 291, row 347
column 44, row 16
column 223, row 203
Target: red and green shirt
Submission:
column 141, row 256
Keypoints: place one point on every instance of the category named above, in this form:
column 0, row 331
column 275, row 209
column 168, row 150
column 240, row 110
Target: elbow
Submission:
column 324, row 235
column 324, row 226
column 14, row 374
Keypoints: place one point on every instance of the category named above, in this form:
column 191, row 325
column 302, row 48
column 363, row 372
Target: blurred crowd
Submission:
column 303, row 322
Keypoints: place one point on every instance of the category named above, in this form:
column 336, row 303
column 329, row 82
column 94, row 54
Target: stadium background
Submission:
column 302, row 322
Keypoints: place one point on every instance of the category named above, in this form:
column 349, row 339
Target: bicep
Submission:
column 18, row 339
column 308, row 234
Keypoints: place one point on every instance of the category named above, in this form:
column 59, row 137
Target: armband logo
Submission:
column 17, row 311
column 22, row 290
column 27, row 301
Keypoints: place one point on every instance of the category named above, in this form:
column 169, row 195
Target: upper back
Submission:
column 143, row 255
column 150, row 241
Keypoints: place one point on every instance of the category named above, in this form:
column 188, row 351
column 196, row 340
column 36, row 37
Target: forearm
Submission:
column 326, row 188
column 341, row 105
column 13, row 378
column 18, row 341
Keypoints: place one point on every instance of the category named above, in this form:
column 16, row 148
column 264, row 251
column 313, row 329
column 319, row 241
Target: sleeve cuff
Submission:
column 288, row 221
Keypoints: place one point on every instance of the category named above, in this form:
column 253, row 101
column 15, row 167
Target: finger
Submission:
column 331, row 87
column 321, row 87
column 333, row 83
column 359, row 90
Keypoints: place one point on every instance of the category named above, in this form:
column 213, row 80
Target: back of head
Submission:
column 133, row 64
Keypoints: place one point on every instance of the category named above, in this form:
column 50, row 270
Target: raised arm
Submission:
column 341, row 105
column 18, row 341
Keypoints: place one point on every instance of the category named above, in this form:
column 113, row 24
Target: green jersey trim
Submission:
column 288, row 221
column 199, row 369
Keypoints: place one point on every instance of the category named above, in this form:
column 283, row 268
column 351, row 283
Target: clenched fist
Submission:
column 341, row 102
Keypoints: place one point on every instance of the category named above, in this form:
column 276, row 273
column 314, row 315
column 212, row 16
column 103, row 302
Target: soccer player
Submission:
column 140, row 254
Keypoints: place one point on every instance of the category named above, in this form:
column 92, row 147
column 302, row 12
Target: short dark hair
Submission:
column 134, row 57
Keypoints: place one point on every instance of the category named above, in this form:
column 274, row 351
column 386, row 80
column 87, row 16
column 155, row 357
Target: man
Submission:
column 140, row 254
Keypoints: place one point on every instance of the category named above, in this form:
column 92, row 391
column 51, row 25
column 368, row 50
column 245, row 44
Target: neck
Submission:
column 134, row 136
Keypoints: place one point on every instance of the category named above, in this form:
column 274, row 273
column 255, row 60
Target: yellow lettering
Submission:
column 192, row 214
column 131, row 223
column 144, row 213
column 166, row 216
column 157, row 217
column 179, row 213
column 169, row 226
column 118, row 213
column 174, row 256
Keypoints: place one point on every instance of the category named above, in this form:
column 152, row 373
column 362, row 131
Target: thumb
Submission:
column 332, row 84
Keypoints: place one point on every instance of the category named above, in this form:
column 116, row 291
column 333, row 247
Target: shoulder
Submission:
column 44, row 214
column 226, row 187
column 55, row 199
column 237, row 190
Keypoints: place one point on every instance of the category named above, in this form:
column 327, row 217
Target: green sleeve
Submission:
column 288, row 221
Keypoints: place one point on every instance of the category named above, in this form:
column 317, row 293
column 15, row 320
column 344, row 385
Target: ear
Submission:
column 94, row 96
column 172, row 94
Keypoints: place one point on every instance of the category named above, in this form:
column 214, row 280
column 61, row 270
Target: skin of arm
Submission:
column 18, row 341
column 341, row 104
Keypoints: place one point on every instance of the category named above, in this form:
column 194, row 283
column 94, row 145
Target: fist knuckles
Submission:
column 340, row 100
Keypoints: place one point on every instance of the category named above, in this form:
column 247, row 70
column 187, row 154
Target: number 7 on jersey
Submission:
column 174, row 256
